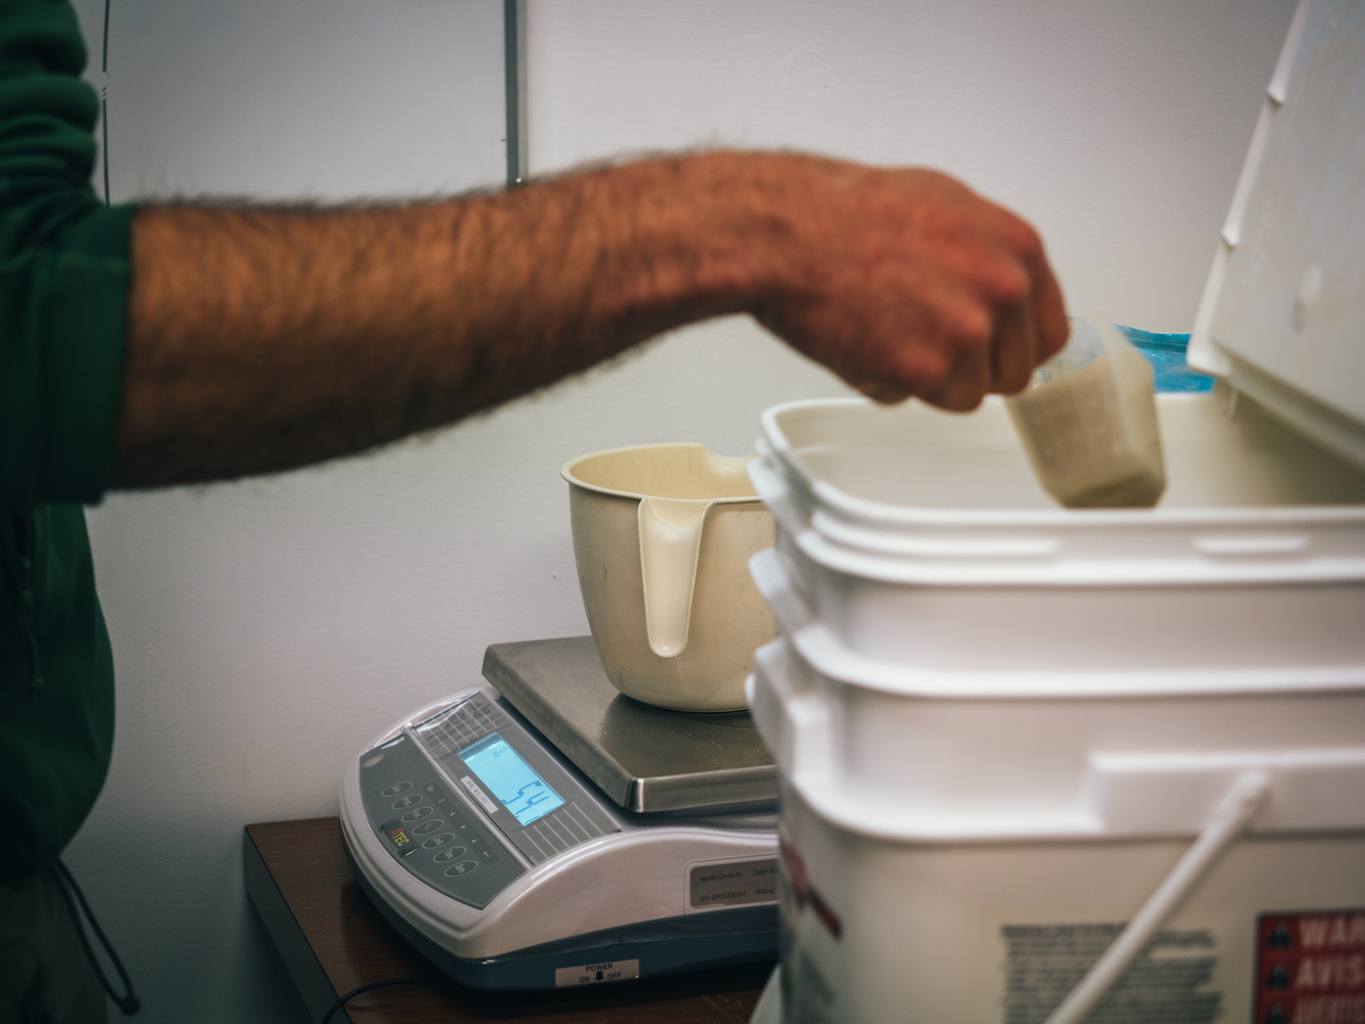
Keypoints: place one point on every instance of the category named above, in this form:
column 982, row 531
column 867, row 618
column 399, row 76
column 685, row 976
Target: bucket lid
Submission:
column 1282, row 319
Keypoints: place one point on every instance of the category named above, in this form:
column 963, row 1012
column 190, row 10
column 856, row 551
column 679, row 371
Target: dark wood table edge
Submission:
column 286, row 933
column 727, row 995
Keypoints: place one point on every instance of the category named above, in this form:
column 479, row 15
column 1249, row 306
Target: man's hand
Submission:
column 907, row 284
column 264, row 338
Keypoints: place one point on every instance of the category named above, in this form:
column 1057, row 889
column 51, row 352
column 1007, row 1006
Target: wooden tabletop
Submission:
column 332, row 940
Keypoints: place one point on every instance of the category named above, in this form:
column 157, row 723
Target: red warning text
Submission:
column 1310, row 968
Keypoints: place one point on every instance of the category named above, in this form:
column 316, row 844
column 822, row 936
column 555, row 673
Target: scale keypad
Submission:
column 423, row 824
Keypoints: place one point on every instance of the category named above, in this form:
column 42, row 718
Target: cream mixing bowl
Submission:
column 662, row 538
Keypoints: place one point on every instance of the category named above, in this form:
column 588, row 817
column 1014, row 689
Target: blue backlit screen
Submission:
column 512, row 780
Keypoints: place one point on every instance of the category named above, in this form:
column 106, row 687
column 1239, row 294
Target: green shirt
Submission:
column 64, row 280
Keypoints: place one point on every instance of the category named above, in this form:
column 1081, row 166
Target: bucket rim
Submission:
column 776, row 448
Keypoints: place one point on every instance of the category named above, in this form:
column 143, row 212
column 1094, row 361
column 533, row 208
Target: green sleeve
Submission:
column 64, row 268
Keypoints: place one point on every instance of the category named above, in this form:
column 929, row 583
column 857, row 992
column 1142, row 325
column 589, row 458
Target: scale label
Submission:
column 592, row 974
column 479, row 795
column 398, row 835
column 732, row 884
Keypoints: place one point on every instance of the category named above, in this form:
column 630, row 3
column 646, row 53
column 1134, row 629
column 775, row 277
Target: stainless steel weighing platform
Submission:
column 644, row 759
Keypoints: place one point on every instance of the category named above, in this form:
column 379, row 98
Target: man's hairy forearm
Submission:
column 266, row 338
column 261, row 339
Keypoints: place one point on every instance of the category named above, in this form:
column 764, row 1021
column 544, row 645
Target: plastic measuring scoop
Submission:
column 1088, row 422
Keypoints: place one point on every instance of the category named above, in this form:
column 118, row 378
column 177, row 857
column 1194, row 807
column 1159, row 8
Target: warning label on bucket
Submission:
column 1310, row 968
column 1168, row 981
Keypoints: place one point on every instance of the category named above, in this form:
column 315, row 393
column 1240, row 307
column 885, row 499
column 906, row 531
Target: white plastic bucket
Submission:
column 923, row 538
column 1039, row 764
column 1012, row 737
column 972, row 859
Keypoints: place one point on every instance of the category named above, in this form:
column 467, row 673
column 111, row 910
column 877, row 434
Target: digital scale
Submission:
column 546, row 831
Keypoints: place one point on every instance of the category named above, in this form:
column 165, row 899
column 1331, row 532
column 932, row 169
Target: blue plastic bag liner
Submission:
column 1166, row 353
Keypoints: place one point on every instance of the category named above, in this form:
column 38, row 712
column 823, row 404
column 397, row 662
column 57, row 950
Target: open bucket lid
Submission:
column 1282, row 319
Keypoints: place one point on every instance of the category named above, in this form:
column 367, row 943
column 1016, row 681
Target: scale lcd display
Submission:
column 499, row 767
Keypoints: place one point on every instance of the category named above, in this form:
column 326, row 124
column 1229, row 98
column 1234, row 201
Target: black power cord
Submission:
column 128, row 1003
column 361, row 990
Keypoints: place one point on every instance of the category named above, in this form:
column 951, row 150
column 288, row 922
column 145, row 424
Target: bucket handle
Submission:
column 1230, row 819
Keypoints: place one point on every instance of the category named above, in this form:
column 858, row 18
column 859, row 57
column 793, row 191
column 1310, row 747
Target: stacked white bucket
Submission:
column 1039, row 764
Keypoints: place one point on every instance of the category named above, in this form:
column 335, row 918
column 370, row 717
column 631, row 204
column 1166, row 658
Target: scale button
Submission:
column 406, row 801
column 436, row 842
column 462, row 868
column 427, row 827
column 449, row 853
column 418, row 813
column 395, row 789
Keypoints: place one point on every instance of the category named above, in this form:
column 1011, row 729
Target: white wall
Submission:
column 1118, row 128
column 264, row 631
